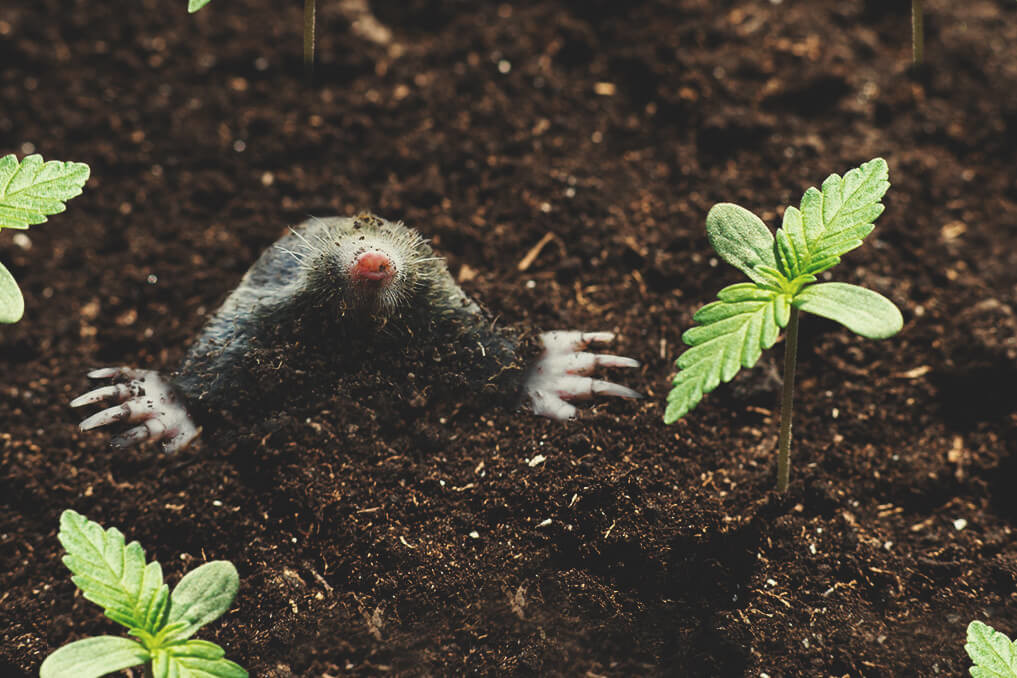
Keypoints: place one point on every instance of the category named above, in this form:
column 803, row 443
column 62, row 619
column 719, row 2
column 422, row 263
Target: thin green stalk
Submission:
column 310, row 11
column 787, row 402
column 917, row 32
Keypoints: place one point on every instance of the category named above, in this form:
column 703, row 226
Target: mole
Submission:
column 357, row 303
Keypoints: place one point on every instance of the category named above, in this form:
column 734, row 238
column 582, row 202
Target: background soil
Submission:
column 507, row 544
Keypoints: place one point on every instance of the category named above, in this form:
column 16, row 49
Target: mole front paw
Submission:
column 144, row 399
column 559, row 375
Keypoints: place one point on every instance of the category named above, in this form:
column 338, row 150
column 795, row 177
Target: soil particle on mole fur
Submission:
column 370, row 542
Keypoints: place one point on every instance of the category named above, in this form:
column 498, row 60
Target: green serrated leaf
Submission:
column 194, row 5
column 194, row 659
column 12, row 304
column 835, row 220
column 862, row 311
column 93, row 657
column 741, row 239
column 112, row 575
column 202, row 595
column 732, row 335
column 32, row 189
column 991, row 651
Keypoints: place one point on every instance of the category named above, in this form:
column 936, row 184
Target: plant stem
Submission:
column 310, row 11
column 917, row 32
column 787, row 402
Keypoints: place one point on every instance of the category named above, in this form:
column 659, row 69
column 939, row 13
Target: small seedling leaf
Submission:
column 862, row 311
column 991, row 651
column 12, row 304
column 741, row 239
column 32, row 189
column 204, row 594
column 112, row 575
column 194, row 5
column 835, row 220
column 732, row 334
column 194, row 659
column 93, row 657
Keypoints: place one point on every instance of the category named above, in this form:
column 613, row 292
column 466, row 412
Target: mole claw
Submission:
column 597, row 337
column 608, row 388
column 616, row 361
column 105, row 372
column 110, row 416
column 117, row 392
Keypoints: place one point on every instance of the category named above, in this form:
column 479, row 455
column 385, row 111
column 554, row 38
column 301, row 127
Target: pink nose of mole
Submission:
column 373, row 267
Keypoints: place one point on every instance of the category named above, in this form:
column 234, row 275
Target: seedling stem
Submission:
column 787, row 401
column 310, row 10
column 917, row 32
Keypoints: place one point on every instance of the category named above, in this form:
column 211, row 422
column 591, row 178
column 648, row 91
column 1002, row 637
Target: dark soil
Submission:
column 499, row 543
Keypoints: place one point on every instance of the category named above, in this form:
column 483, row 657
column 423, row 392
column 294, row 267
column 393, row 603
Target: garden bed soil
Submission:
column 442, row 540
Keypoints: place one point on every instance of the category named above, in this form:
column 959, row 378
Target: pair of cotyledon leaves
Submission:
column 748, row 317
column 29, row 192
column 115, row 576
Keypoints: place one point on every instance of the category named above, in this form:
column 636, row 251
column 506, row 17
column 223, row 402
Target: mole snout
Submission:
column 373, row 267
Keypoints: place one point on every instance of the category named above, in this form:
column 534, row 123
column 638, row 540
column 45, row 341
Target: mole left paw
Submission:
column 559, row 375
column 144, row 399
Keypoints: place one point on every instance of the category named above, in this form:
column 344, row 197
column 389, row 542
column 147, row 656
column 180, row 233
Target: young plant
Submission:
column 310, row 13
column 29, row 192
column 748, row 317
column 991, row 651
column 115, row 577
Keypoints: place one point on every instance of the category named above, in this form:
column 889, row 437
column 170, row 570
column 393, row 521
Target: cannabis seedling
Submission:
column 115, row 577
column 991, row 651
column 748, row 317
column 310, row 14
column 29, row 192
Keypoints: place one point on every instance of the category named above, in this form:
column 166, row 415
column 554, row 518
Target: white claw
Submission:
column 583, row 363
column 557, row 375
column 109, row 372
column 115, row 393
column 144, row 398
column 562, row 341
column 132, row 411
column 149, row 429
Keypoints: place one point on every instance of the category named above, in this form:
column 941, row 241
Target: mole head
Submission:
column 375, row 266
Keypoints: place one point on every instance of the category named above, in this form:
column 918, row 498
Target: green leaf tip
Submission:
column 994, row 655
column 194, row 5
column 12, row 303
column 32, row 189
column 783, row 268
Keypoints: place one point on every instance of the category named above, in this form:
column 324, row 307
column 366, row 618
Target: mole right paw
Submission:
column 144, row 399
